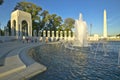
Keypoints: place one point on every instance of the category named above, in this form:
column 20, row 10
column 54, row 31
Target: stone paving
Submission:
column 15, row 62
column 7, row 47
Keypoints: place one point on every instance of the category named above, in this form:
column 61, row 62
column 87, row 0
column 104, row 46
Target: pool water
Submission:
column 64, row 64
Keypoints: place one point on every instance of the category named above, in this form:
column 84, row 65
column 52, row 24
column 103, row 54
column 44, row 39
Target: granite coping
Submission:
column 18, row 63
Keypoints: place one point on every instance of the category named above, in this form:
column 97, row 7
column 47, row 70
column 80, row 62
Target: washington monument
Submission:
column 105, row 25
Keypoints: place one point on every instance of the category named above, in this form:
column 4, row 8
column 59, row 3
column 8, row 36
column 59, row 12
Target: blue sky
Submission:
column 92, row 11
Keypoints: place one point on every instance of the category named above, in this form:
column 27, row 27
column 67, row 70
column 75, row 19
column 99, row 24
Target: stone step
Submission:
column 18, row 65
column 26, row 73
column 13, row 64
column 5, row 49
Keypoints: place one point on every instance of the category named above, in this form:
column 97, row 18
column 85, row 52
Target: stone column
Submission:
column 53, row 36
column 30, row 28
column 17, row 28
column 25, row 31
column 44, row 33
column 39, row 35
column 12, row 28
column 44, row 36
column 69, row 35
column 21, row 32
column 57, row 36
column 65, row 35
column 48, row 34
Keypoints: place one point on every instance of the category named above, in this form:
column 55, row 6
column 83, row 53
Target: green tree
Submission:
column 40, row 19
column 33, row 9
column 118, row 35
column 69, row 23
column 1, row 2
column 61, row 28
column 44, row 19
column 54, row 22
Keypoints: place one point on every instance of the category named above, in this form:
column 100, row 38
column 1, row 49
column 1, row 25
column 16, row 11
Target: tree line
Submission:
column 42, row 19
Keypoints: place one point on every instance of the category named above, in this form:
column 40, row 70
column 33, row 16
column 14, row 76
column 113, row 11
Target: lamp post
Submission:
column 90, row 29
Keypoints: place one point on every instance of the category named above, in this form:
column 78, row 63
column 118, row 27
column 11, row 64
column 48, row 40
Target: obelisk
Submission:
column 105, row 25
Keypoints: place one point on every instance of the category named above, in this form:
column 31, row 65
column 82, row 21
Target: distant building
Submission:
column 95, row 37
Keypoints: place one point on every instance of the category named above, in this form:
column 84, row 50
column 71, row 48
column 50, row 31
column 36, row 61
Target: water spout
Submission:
column 80, row 17
column 80, row 32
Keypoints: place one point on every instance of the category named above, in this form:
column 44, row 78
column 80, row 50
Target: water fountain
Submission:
column 105, row 49
column 68, row 62
column 80, row 36
column 80, row 33
column 100, row 46
column 81, row 64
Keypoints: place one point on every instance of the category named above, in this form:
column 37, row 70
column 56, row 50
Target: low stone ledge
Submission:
column 13, row 64
column 26, row 70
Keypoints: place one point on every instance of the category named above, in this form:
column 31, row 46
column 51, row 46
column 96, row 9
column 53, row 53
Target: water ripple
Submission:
column 63, row 64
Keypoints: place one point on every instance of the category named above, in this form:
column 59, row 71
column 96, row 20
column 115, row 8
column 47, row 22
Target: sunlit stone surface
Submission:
column 17, row 17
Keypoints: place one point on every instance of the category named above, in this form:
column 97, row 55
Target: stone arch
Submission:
column 24, row 28
column 21, row 17
column 14, row 27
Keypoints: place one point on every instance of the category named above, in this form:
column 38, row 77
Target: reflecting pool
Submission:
column 65, row 64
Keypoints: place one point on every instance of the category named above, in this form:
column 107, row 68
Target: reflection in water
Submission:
column 64, row 64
